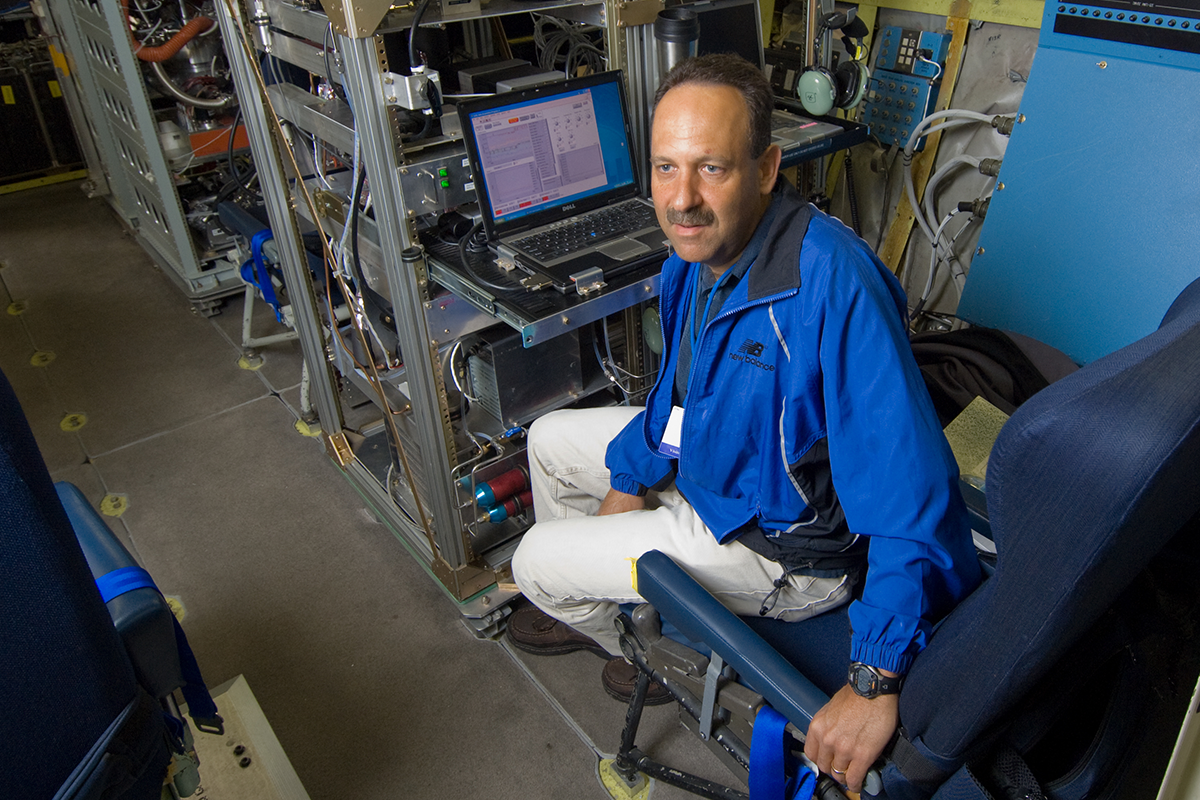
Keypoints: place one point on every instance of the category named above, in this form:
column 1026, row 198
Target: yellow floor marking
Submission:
column 41, row 358
column 305, row 429
column 617, row 788
column 176, row 606
column 114, row 505
column 73, row 422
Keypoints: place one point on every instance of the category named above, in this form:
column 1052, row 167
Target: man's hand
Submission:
column 618, row 502
column 849, row 733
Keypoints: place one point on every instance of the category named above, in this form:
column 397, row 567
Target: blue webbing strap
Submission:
column 255, row 271
column 770, row 758
column 199, row 702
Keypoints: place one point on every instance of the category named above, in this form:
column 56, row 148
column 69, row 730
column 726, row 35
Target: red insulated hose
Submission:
column 194, row 27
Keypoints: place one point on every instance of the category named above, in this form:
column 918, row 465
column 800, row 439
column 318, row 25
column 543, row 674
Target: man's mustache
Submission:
column 691, row 218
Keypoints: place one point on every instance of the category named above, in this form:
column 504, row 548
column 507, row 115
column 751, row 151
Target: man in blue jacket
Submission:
column 788, row 449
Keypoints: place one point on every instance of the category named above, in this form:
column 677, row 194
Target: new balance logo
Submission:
column 749, row 352
column 751, row 348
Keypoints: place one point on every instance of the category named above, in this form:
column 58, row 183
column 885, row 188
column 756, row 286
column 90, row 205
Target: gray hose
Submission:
column 184, row 97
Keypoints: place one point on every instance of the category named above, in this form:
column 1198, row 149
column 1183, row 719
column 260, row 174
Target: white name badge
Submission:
column 673, row 434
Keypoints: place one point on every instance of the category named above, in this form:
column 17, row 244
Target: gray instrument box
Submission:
column 517, row 385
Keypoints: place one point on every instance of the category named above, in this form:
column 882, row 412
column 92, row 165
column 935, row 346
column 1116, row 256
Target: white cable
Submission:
column 926, row 228
column 319, row 165
column 454, row 373
column 611, row 360
column 932, row 184
column 955, row 117
column 933, row 258
column 343, row 252
column 949, row 113
column 938, row 66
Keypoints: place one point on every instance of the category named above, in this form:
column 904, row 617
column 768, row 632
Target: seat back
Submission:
column 1086, row 482
column 68, row 684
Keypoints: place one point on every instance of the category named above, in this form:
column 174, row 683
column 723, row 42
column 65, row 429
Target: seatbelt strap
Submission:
column 201, row 707
column 771, row 759
column 915, row 767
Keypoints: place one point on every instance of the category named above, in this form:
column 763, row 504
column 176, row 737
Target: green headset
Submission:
column 820, row 89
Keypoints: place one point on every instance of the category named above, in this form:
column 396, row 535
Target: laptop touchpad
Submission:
column 623, row 248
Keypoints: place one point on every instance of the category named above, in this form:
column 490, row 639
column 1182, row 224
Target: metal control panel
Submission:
column 437, row 181
column 905, row 82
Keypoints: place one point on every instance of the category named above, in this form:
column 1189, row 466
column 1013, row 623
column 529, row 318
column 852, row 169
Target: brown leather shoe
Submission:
column 620, row 677
column 534, row 631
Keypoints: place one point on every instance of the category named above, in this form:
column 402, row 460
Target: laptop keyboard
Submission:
column 592, row 228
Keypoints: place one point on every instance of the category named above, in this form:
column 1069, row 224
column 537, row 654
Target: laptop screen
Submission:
column 551, row 147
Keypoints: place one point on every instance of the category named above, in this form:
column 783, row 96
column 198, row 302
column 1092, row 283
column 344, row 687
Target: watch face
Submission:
column 863, row 680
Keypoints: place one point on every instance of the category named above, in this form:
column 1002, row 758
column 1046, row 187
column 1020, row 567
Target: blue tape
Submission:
column 261, row 276
column 125, row 579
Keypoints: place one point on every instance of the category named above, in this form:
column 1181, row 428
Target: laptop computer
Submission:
column 557, row 187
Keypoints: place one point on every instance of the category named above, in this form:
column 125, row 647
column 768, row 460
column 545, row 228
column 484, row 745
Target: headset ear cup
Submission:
column 817, row 91
column 846, row 81
column 860, row 91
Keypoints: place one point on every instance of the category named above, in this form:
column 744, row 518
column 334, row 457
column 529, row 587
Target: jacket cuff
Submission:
column 880, row 657
column 627, row 485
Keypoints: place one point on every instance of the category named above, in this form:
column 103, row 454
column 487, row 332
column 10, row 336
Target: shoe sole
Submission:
column 556, row 650
column 650, row 700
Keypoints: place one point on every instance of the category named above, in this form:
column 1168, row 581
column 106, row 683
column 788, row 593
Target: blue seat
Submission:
column 86, row 700
column 1088, row 481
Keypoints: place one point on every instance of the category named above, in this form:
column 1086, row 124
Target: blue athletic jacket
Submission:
column 808, row 419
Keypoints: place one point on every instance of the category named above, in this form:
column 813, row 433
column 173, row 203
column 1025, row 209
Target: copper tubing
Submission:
column 162, row 52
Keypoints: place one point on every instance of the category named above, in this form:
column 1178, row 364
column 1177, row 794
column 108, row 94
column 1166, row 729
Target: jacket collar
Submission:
column 776, row 269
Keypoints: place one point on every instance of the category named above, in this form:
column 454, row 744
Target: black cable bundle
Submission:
column 463, row 244
column 851, row 195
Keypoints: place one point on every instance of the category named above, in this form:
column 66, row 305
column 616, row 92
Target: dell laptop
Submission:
column 557, row 185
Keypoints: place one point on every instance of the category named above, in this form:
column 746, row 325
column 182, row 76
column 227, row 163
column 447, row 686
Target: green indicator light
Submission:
column 445, row 183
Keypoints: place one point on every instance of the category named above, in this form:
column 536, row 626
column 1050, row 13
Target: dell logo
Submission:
column 569, row 207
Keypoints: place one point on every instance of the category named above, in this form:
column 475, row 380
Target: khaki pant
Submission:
column 578, row 567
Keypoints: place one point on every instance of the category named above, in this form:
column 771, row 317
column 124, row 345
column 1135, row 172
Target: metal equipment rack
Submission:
column 414, row 461
column 118, row 127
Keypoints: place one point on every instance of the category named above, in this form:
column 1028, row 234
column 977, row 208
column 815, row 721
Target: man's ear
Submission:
column 768, row 168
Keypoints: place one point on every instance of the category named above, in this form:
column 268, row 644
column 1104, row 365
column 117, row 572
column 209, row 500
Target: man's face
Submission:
column 709, row 193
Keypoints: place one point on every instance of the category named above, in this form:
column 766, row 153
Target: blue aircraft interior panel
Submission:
column 1095, row 230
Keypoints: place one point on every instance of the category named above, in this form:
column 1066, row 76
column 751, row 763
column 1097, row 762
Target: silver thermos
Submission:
column 678, row 33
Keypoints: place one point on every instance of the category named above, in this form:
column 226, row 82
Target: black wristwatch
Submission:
column 869, row 682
